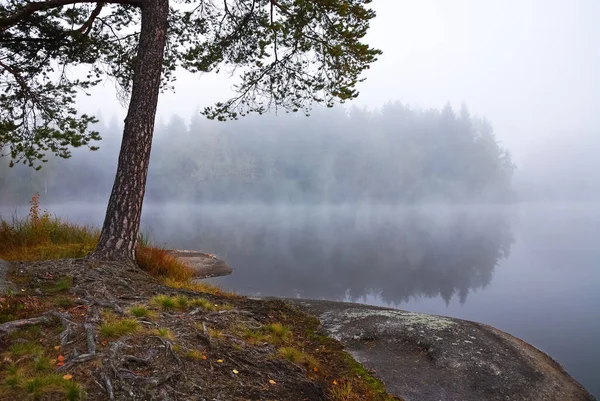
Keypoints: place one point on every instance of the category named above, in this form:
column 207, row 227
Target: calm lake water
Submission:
column 530, row 270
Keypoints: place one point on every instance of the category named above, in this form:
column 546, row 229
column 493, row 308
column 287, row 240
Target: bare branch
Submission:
column 87, row 26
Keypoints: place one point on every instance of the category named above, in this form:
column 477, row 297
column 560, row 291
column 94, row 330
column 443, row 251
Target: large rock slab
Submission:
column 204, row 264
column 422, row 357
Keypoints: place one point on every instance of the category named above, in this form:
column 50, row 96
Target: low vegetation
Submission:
column 42, row 236
column 78, row 327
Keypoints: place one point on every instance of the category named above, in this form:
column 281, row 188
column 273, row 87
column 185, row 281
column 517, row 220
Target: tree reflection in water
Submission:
column 348, row 253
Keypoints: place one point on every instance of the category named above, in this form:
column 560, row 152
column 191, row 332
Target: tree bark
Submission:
column 118, row 239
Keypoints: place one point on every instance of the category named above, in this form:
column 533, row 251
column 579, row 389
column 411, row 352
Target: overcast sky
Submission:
column 532, row 67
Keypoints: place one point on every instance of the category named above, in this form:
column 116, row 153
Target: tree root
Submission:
column 91, row 320
column 81, row 358
column 46, row 318
column 108, row 387
column 168, row 348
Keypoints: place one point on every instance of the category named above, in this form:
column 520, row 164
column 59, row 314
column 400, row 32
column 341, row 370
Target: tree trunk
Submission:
column 118, row 238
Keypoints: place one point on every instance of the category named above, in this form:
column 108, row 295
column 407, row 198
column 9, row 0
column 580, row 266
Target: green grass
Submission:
column 28, row 374
column 293, row 355
column 164, row 333
column 27, row 348
column 139, row 311
column 63, row 302
column 42, row 364
column 279, row 332
column 164, row 302
column 182, row 301
column 194, row 354
column 113, row 327
column 203, row 303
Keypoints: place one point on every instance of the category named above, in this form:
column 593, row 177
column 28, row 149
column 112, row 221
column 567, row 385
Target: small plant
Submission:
column 164, row 333
column 42, row 364
column 164, row 302
column 118, row 328
column 203, row 303
column 63, row 284
column 279, row 332
column 182, row 301
column 216, row 334
column 63, row 302
column 139, row 311
column 73, row 391
column 195, row 354
column 12, row 381
column 195, row 286
column 256, row 336
column 26, row 349
column 343, row 391
column 159, row 263
column 293, row 355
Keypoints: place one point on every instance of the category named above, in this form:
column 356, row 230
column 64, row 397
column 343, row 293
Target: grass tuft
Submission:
column 164, row 302
column 164, row 333
column 203, row 303
column 279, row 332
column 114, row 327
column 343, row 391
column 139, row 311
column 293, row 355
column 182, row 301
column 194, row 354
column 159, row 263
column 26, row 349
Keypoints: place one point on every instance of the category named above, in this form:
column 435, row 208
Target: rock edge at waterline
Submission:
column 422, row 357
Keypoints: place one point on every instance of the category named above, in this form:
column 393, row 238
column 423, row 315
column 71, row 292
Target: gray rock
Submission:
column 5, row 285
column 430, row 358
column 204, row 264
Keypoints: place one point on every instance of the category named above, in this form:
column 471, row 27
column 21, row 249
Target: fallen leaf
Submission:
column 57, row 347
column 60, row 358
column 220, row 360
column 272, row 381
column 67, row 377
column 235, row 371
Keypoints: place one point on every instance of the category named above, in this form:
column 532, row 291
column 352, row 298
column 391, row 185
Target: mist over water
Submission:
column 528, row 269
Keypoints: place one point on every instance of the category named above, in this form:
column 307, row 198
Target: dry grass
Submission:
column 41, row 236
column 159, row 263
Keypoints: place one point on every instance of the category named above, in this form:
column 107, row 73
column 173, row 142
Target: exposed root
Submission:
column 91, row 320
column 46, row 318
column 168, row 348
column 79, row 359
column 108, row 387
column 67, row 327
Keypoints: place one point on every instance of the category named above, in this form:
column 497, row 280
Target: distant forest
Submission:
column 393, row 155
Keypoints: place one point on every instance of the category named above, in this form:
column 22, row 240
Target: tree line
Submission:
column 393, row 155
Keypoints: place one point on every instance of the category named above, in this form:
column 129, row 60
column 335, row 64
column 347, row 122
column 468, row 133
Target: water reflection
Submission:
column 347, row 253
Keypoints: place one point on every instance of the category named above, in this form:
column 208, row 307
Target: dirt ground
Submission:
column 114, row 333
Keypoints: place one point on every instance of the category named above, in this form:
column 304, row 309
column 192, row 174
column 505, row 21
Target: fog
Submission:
column 463, row 181
column 528, row 67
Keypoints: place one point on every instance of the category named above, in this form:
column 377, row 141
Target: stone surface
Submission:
column 5, row 285
column 204, row 264
column 431, row 358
